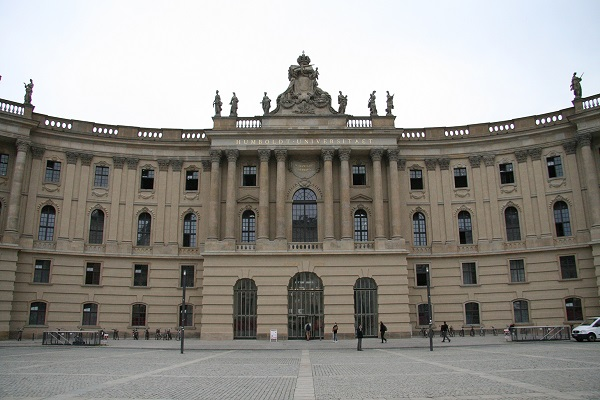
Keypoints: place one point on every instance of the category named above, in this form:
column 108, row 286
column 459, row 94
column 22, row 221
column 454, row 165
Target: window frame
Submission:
column 472, row 275
column 470, row 313
column 249, row 175
column 189, row 282
column 147, row 179
column 507, row 174
column 359, row 175
column 567, row 265
column 423, row 314
column 4, row 160
column 419, row 229
column 521, row 312
column 577, row 310
column 101, row 176
column 43, row 276
column 465, row 236
column 516, row 268
column 96, row 231
column 144, row 230
column 562, row 219
column 52, row 174
column 512, row 224
column 421, row 274
column 416, row 182
column 138, row 277
column 461, row 177
column 555, row 167
column 89, row 315
column 190, row 230
column 192, row 180
column 92, row 277
column 47, row 224
column 38, row 313
column 361, row 225
column 248, row 227
column 139, row 313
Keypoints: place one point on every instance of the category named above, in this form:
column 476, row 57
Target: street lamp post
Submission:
column 429, row 311
column 183, row 312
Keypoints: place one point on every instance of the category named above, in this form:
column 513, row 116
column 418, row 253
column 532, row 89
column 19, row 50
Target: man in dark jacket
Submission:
column 382, row 330
column 445, row 332
column 359, row 336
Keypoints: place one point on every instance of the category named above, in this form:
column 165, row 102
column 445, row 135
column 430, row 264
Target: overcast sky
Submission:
column 157, row 64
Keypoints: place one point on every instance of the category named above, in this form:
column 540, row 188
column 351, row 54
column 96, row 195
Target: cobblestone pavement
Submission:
column 467, row 368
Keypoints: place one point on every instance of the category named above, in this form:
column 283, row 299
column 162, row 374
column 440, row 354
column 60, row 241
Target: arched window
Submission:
column 138, row 315
column 244, row 309
column 47, row 221
column 305, row 305
column 521, row 311
column 144, row 228
column 248, row 227
column 361, row 226
column 423, row 311
column 189, row 230
column 96, row 227
column 574, row 309
column 562, row 222
column 472, row 314
column 465, row 229
column 90, row 314
column 365, row 306
column 511, row 220
column 419, row 230
column 304, row 216
column 37, row 313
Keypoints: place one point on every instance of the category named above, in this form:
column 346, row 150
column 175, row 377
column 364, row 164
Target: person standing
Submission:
column 445, row 332
column 359, row 337
column 20, row 335
column 382, row 330
column 334, row 330
column 307, row 328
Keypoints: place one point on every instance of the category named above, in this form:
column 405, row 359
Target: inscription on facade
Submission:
column 292, row 142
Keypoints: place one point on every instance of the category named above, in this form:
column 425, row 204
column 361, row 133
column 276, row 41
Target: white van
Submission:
column 589, row 329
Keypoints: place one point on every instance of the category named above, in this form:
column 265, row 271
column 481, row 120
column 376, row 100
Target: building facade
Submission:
column 302, row 215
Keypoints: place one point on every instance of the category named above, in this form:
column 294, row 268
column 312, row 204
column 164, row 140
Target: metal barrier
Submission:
column 80, row 338
column 534, row 333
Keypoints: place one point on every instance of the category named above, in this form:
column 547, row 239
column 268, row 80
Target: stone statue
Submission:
column 218, row 104
column 576, row 85
column 266, row 104
column 234, row 106
column 372, row 106
column 342, row 101
column 28, row 91
column 389, row 103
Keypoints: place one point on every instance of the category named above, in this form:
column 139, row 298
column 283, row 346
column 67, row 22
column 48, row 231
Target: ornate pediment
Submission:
column 303, row 95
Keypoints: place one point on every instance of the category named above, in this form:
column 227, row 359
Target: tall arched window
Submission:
column 244, row 309
column 248, row 227
column 47, row 221
column 305, row 305
column 521, row 311
column 574, row 309
column 90, row 314
column 361, row 226
column 138, row 315
column 189, row 230
column 37, row 313
column 511, row 220
column 472, row 314
column 304, row 216
column 96, row 227
column 465, row 229
column 419, row 230
column 365, row 306
column 144, row 228
column 562, row 222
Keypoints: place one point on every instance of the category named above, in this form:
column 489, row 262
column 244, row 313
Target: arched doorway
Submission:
column 365, row 306
column 244, row 309
column 305, row 305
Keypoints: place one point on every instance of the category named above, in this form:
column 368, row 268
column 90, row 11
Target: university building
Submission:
column 302, row 215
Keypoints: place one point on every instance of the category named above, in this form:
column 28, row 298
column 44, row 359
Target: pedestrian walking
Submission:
column 20, row 335
column 382, row 331
column 334, row 330
column 147, row 334
column 445, row 332
column 307, row 328
column 359, row 337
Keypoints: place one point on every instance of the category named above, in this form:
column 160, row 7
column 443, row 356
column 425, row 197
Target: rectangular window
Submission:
column 506, row 174
column 359, row 175
column 517, row 271
column 140, row 275
column 469, row 271
column 460, row 177
column 568, row 268
column 416, row 179
column 147, row 179
column 41, row 271
column 92, row 274
column 189, row 276
column 191, row 180
column 101, row 176
column 249, row 176
column 3, row 164
column 421, row 271
column 52, row 171
column 555, row 168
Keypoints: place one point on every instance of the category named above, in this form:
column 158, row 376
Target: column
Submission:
column 345, row 217
column 63, row 232
column 584, row 141
column 437, row 234
column 115, row 190
column 447, row 222
column 230, row 202
column 281, row 155
column 215, row 185
column 37, row 154
column 574, row 180
column 376, row 155
column 263, row 196
column 203, row 228
column 131, row 188
column 14, row 202
column 394, row 193
column 542, row 217
column 492, row 182
column 524, row 185
column 174, row 189
column 479, row 193
column 327, row 155
column 161, row 196
column 81, row 214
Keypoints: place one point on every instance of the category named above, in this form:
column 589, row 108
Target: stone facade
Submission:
column 300, row 215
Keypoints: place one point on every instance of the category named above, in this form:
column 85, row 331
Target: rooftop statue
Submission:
column 266, row 104
column 576, row 85
column 342, row 101
column 234, row 106
column 303, row 94
column 28, row 91
column 217, row 104
column 372, row 106
column 390, row 103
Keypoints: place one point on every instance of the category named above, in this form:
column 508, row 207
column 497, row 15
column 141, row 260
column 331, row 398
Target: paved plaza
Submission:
column 467, row 368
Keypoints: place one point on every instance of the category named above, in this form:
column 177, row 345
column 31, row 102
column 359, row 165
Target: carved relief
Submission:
column 305, row 168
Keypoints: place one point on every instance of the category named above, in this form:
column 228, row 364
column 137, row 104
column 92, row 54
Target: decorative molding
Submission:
column 264, row 155
column 376, row 154
column 72, row 157
column 570, row 146
column 327, row 154
column 344, row 154
column 444, row 163
column 430, row 164
column 489, row 160
column 86, row 159
column 401, row 164
column 584, row 139
column 535, row 154
column 206, row 164
column 176, row 164
column 163, row 164
column 118, row 162
column 280, row 154
column 132, row 163
column 475, row 161
column 232, row 155
column 37, row 152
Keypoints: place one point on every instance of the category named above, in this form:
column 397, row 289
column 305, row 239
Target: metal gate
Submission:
column 244, row 309
column 305, row 305
column 365, row 306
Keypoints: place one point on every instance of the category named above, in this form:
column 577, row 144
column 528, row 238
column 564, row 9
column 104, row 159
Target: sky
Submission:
column 157, row 64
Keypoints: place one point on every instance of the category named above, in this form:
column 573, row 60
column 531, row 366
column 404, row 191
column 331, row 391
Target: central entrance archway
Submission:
column 305, row 305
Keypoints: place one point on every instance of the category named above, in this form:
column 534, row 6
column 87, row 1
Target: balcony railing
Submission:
column 305, row 246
